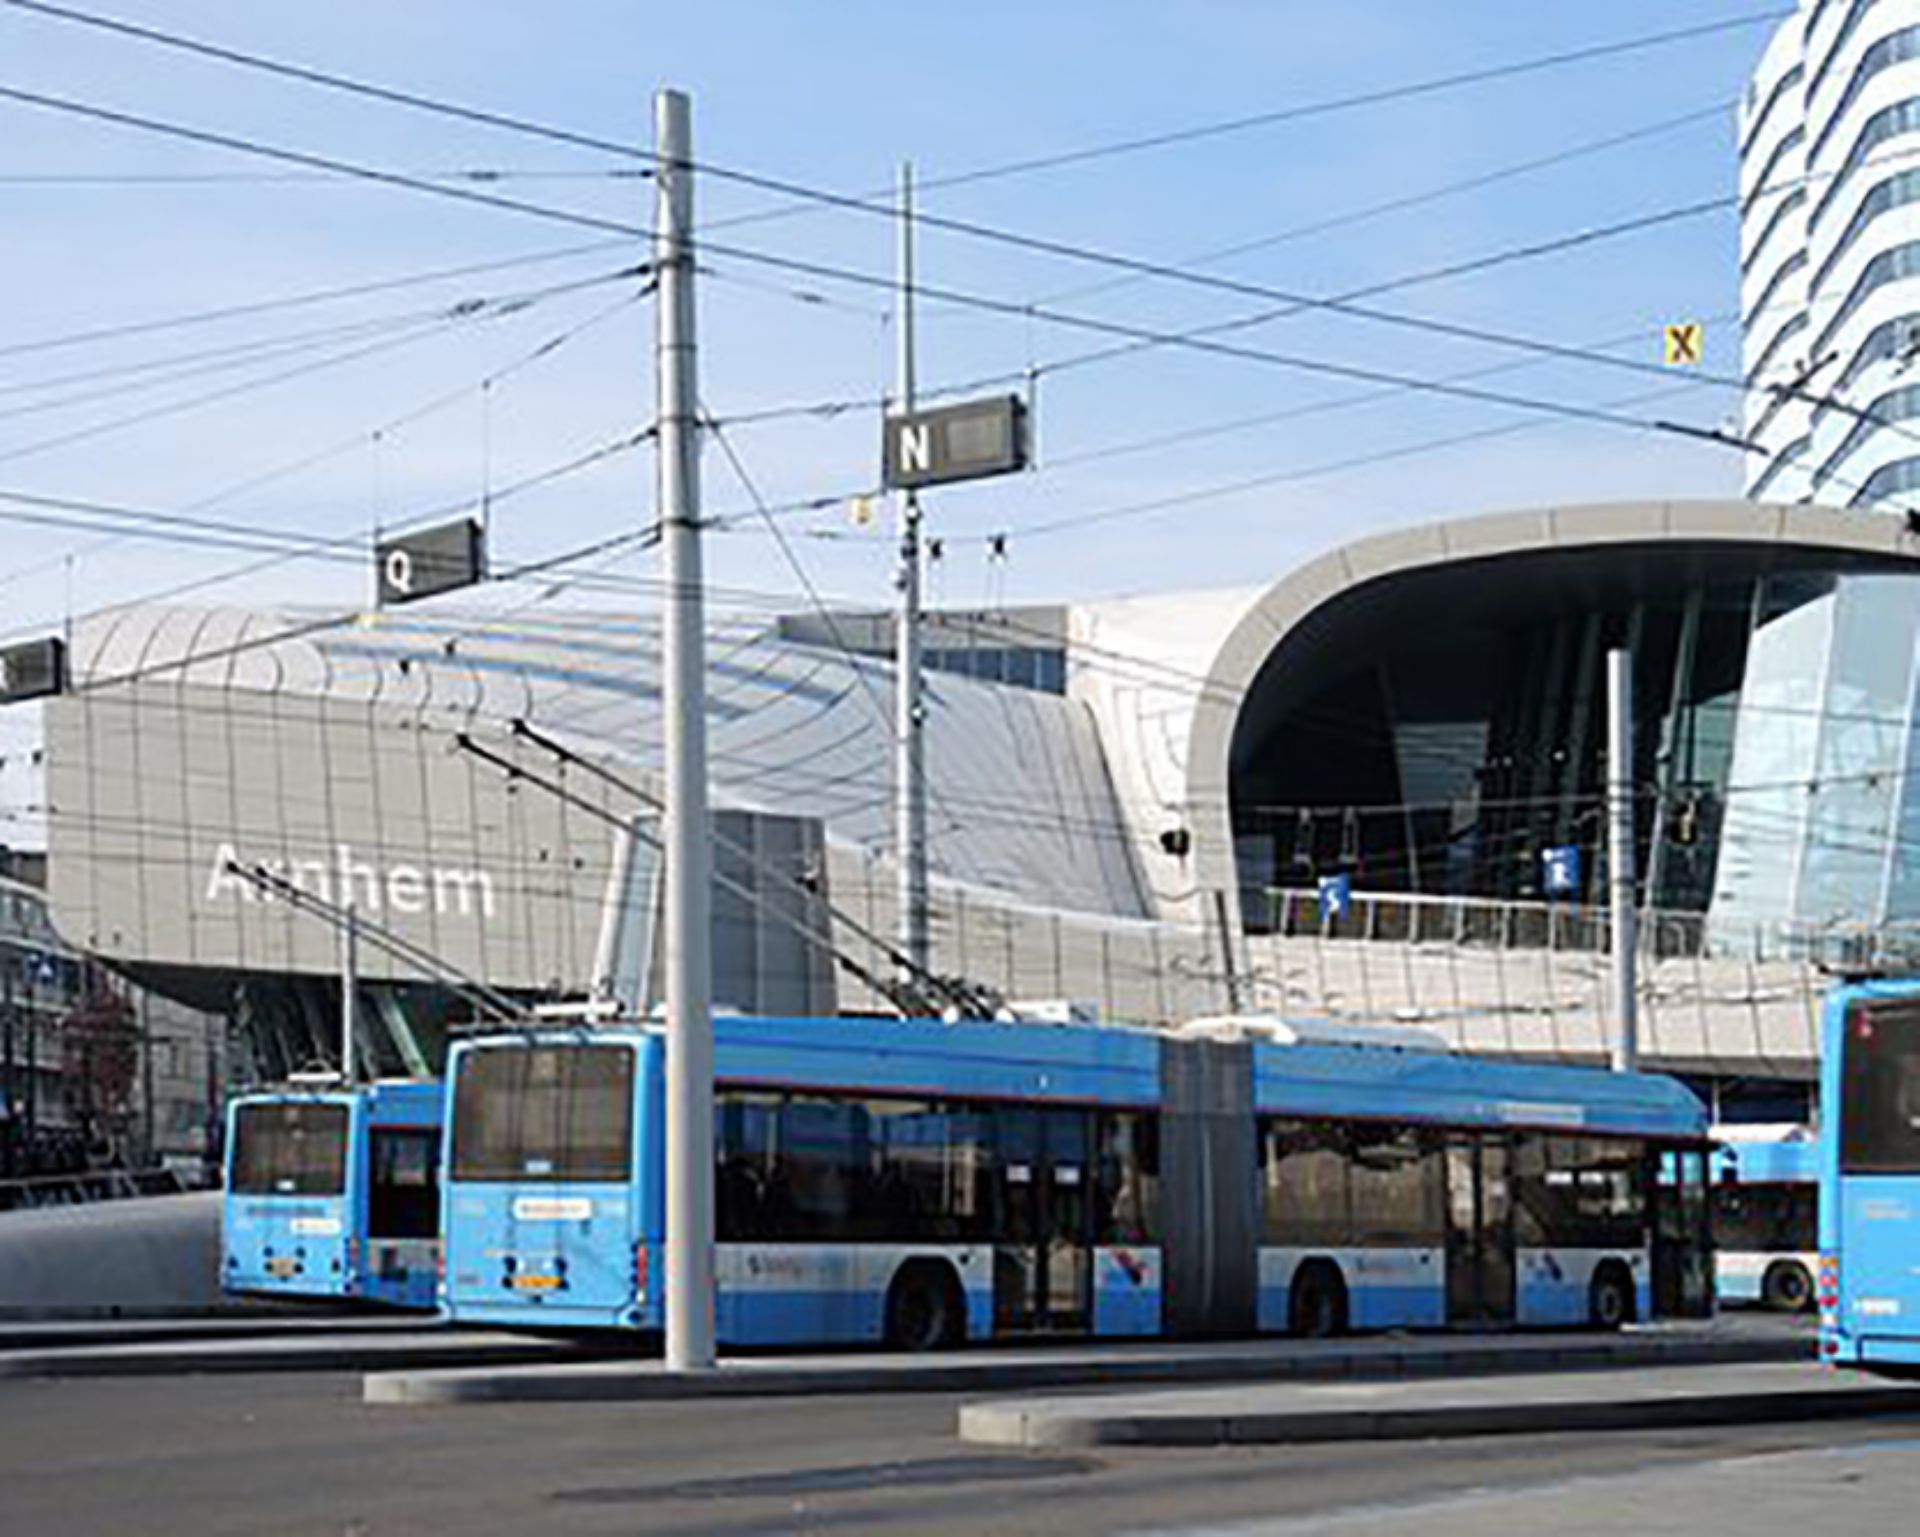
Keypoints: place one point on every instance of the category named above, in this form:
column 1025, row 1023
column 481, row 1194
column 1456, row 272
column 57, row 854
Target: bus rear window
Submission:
column 545, row 1113
column 1880, row 1091
column 297, row 1148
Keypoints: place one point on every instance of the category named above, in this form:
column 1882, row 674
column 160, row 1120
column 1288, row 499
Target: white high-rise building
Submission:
column 1830, row 255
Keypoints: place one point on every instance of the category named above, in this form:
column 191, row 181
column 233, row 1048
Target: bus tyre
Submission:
column 1317, row 1301
column 1787, row 1287
column 1610, row 1297
column 926, row 1310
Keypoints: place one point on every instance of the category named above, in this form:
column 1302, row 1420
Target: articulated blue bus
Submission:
column 924, row 1183
column 335, row 1194
column 1869, row 1278
column 1766, row 1215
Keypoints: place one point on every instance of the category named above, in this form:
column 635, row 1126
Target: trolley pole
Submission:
column 1626, row 1025
column 689, row 979
column 349, row 995
column 910, row 761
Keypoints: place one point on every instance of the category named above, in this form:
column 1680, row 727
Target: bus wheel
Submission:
column 1610, row 1298
column 926, row 1309
column 1787, row 1288
column 1317, row 1303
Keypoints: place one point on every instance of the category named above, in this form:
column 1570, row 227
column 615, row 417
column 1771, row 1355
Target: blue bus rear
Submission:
column 1869, row 1151
column 901, row 1180
column 334, row 1195
column 1766, row 1219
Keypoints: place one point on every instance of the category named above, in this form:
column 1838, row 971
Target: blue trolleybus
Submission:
column 1766, row 1221
column 925, row 1183
column 1869, row 1149
column 335, row 1194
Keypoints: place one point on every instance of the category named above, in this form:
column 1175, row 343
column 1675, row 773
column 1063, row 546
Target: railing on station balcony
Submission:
column 1475, row 922
column 1665, row 934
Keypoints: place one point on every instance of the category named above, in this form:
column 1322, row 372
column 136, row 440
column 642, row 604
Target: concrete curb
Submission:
column 87, row 1333
column 1066, row 1424
column 988, row 1371
column 345, row 1352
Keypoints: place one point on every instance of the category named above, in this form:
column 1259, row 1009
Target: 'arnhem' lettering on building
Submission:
column 464, row 893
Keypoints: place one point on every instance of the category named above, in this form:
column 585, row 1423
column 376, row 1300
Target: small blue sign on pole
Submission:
column 1560, row 870
column 1336, row 896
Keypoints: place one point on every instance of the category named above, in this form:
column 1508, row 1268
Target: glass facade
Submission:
column 1777, row 741
column 1822, row 823
column 1450, row 758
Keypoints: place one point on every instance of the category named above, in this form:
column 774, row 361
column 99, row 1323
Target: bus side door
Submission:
column 1043, row 1254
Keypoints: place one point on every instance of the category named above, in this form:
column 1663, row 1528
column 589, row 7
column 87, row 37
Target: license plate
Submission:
column 536, row 1283
column 282, row 1268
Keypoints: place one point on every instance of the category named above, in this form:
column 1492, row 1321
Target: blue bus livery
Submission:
column 924, row 1183
column 1766, row 1227
column 334, row 1194
column 1869, row 1150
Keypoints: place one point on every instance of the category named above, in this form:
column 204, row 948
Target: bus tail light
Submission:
column 1829, row 1282
column 642, row 1268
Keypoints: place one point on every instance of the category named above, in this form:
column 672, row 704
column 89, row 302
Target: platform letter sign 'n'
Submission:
column 963, row 442
column 432, row 561
column 33, row 669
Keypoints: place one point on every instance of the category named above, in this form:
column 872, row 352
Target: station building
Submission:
column 1133, row 803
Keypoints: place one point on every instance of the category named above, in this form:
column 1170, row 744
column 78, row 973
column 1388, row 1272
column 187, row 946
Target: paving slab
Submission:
column 311, row 1350
column 1529, row 1403
column 1084, row 1364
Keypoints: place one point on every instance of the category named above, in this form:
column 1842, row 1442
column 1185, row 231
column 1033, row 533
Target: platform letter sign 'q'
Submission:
column 434, row 560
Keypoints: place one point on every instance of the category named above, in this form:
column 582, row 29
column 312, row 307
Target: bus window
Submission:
column 1128, row 1177
column 403, row 1195
column 1304, row 1183
column 1880, row 1092
column 1397, row 1186
column 1770, row 1218
column 290, row 1148
column 1579, row 1193
column 544, row 1113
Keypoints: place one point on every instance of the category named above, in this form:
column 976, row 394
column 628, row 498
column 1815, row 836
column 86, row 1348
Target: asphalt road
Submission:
column 302, row 1454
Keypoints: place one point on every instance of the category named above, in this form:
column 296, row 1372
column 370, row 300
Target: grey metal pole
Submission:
column 1626, row 1026
column 689, row 979
column 910, row 715
column 349, row 994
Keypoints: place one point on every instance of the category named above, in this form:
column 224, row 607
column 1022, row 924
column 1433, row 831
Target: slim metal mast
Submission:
column 1626, row 1024
column 349, row 993
column 910, row 764
column 689, row 974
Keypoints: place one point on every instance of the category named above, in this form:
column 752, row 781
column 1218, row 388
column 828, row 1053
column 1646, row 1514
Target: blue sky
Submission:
column 834, row 94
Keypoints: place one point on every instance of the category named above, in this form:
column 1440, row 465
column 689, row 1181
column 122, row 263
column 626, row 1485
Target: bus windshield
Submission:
column 292, row 1148
column 545, row 1113
column 1880, row 1091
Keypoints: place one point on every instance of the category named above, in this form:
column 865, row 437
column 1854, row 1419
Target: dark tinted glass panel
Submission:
column 1303, row 1169
column 1880, row 1091
column 828, row 1167
column 1579, row 1192
column 290, row 1149
column 1768, row 1219
column 1396, row 1187
column 544, row 1113
column 403, row 1198
column 1128, row 1176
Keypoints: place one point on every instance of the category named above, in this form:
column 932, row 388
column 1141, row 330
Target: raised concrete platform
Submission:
column 1093, row 1365
column 1526, row 1404
column 310, row 1350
